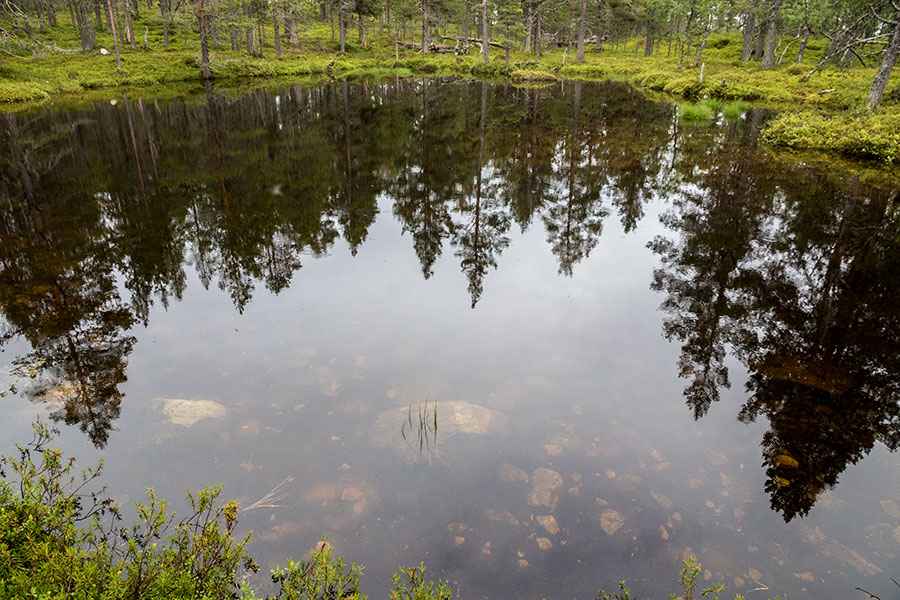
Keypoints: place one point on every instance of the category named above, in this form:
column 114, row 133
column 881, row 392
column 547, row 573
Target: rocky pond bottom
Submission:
column 541, row 339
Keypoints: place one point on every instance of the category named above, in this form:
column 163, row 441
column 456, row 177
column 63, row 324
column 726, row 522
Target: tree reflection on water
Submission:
column 791, row 266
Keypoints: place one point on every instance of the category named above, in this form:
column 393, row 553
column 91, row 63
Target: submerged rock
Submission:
column 661, row 500
column 548, row 523
column 543, row 488
column 611, row 520
column 511, row 473
column 890, row 508
column 453, row 417
column 502, row 515
column 188, row 412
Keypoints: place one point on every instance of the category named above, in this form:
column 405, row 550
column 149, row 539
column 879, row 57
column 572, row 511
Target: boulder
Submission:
column 188, row 412
column 453, row 417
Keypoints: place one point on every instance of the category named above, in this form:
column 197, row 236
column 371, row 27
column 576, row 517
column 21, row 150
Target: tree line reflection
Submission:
column 789, row 266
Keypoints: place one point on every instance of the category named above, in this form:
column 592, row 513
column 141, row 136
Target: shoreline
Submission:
column 822, row 114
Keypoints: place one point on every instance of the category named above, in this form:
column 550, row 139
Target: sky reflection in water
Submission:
column 317, row 262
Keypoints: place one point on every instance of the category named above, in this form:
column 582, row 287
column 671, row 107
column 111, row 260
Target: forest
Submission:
column 858, row 38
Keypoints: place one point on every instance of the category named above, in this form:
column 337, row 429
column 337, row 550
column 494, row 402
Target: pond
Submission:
column 543, row 339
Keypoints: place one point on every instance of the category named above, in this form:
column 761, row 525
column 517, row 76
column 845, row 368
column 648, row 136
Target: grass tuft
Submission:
column 695, row 112
column 735, row 110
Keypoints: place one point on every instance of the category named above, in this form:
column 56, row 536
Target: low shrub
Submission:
column 690, row 571
column 45, row 553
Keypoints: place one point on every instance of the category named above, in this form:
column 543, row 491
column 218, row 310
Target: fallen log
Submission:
column 436, row 48
column 476, row 41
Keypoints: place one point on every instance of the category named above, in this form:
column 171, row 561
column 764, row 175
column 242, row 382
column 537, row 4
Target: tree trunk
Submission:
column 760, row 40
column 118, row 26
column 538, row 34
column 277, row 30
column 687, row 33
column 582, row 18
column 887, row 66
column 768, row 59
column 112, row 26
column 749, row 24
column 51, row 13
column 702, row 45
column 803, row 46
column 129, row 30
column 248, row 34
column 424, row 26
column 484, row 33
column 204, row 44
column 291, row 25
column 85, row 25
column 164, row 13
column 648, row 47
column 342, row 26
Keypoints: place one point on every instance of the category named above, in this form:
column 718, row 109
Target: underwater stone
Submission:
column 188, row 412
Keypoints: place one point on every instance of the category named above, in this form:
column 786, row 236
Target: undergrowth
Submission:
column 859, row 134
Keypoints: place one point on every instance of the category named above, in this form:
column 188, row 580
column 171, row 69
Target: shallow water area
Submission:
column 541, row 339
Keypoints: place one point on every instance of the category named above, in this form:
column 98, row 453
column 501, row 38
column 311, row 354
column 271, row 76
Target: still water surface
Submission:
column 640, row 339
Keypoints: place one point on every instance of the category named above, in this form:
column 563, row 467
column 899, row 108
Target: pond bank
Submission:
column 824, row 113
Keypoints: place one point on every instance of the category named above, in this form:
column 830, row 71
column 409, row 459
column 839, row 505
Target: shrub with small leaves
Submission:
column 58, row 536
column 412, row 584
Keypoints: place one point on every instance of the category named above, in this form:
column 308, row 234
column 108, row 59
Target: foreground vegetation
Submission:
column 59, row 538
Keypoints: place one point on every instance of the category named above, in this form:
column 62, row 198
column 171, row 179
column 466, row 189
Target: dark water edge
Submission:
column 368, row 246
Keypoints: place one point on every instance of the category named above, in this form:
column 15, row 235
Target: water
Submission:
column 668, row 338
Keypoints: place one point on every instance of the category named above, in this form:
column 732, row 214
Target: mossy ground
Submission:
column 824, row 111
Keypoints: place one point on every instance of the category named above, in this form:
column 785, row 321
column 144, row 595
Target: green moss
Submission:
column 491, row 69
column 526, row 76
column 583, row 71
column 866, row 135
column 378, row 72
